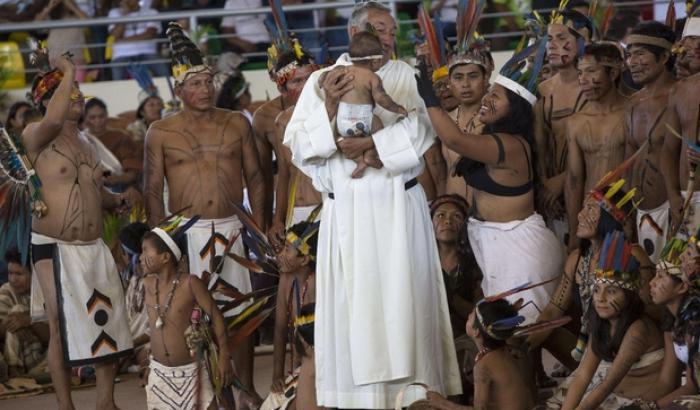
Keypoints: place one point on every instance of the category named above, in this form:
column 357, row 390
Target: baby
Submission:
column 355, row 110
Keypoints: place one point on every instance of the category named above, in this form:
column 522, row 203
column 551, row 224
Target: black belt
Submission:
column 408, row 185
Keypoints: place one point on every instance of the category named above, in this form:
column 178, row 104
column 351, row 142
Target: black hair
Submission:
column 305, row 332
column 290, row 57
column 14, row 108
column 142, row 105
column 160, row 245
column 604, row 52
column 132, row 235
column 680, row 322
column 12, row 255
column 227, row 95
column 658, row 30
column 95, row 102
column 481, row 68
column 606, row 223
column 299, row 229
column 518, row 121
column 576, row 3
column 492, row 312
column 604, row 341
column 621, row 23
column 365, row 44
column 579, row 21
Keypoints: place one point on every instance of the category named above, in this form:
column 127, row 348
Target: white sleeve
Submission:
column 309, row 134
column 402, row 144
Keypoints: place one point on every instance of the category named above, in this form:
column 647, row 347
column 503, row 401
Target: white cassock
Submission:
column 381, row 311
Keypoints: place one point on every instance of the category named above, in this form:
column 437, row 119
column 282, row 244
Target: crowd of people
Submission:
column 408, row 236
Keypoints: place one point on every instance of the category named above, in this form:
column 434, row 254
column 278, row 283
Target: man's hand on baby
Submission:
column 354, row 147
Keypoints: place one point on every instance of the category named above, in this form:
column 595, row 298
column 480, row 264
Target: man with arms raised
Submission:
column 80, row 288
column 597, row 132
column 204, row 153
column 560, row 98
column 650, row 63
column 381, row 313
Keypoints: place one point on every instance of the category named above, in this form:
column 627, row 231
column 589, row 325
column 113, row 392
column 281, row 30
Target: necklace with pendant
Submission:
column 168, row 301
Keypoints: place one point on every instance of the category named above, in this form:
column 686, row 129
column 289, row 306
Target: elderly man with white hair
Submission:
column 382, row 320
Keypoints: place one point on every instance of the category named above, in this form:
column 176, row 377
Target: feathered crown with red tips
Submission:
column 285, row 47
column 505, row 328
column 616, row 264
column 471, row 48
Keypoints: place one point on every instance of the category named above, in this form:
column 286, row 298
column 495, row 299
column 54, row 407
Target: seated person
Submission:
column 499, row 380
column 625, row 347
column 460, row 273
column 355, row 110
column 676, row 290
column 25, row 344
column 171, row 300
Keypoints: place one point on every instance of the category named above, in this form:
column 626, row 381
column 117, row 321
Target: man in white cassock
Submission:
column 382, row 320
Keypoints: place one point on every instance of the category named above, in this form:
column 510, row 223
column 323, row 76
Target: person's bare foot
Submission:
column 371, row 158
column 359, row 170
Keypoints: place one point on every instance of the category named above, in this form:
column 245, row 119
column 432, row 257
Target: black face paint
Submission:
column 615, row 306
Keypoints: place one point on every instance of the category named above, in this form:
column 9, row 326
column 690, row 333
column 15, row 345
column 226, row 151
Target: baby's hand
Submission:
column 403, row 111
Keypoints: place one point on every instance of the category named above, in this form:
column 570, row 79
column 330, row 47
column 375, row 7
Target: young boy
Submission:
column 170, row 299
column 295, row 295
column 355, row 109
column 498, row 381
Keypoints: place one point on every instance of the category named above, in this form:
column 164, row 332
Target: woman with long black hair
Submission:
column 498, row 165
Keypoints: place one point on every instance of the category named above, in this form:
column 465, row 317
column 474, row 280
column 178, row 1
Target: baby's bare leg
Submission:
column 371, row 158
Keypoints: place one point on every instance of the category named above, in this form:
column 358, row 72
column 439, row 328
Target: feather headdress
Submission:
column 612, row 183
column 616, row 264
column 471, row 48
column 48, row 78
column 504, row 328
column 286, row 53
column 433, row 33
column 187, row 59
column 520, row 78
column 301, row 243
column 172, row 231
column 578, row 24
column 20, row 195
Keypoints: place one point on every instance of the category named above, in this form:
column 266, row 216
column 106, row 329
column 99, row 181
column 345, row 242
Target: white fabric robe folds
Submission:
column 381, row 311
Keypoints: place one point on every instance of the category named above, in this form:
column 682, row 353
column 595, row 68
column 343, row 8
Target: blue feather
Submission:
column 619, row 251
column 511, row 66
column 537, row 67
column 439, row 29
column 508, row 323
column 604, row 251
column 181, row 230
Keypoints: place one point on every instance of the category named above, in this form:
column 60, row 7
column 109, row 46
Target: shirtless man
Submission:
column 683, row 116
column 688, row 61
column 560, row 98
column 205, row 153
column 289, row 84
column 68, row 237
column 650, row 64
column 596, row 133
column 469, row 75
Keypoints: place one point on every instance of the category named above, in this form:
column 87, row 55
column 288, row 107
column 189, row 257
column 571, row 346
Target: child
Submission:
column 295, row 297
column 498, row 379
column 355, row 109
column 170, row 299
